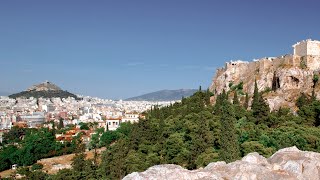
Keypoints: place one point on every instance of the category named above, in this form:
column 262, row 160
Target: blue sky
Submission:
column 118, row 49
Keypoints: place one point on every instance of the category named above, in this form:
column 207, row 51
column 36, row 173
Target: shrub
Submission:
column 36, row 166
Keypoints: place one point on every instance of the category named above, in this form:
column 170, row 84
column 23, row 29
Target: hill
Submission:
column 164, row 95
column 44, row 90
column 283, row 78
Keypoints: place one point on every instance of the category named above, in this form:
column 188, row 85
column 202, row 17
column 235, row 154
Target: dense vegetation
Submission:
column 193, row 133
column 43, row 94
column 25, row 146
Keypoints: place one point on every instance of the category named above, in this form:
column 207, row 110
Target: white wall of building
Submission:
column 113, row 124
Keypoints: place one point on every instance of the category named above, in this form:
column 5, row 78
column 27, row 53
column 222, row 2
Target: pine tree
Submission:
column 313, row 96
column 224, row 95
column 229, row 140
column 302, row 100
column 260, row 109
column 217, row 106
column 246, row 102
column 235, row 98
column 255, row 99
column 207, row 97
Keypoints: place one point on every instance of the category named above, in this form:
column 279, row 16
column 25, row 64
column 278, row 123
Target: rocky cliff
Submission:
column 288, row 163
column 286, row 76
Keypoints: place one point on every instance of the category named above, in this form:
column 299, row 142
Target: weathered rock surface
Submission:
column 287, row 76
column 288, row 163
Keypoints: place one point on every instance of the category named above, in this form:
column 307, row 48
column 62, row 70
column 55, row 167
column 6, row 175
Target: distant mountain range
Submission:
column 164, row 95
column 45, row 90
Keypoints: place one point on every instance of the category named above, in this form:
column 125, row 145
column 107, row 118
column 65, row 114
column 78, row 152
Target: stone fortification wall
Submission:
column 307, row 47
column 300, row 49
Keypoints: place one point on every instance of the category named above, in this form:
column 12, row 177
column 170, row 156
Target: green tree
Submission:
column 235, row 98
column 255, row 98
column 8, row 156
column 94, row 144
column 79, row 162
column 229, row 142
column 246, row 102
column 260, row 109
column 36, row 166
column 38, row 175
column 176, row 150
column 84, row 126
column 108, row 137
column 14, row 135
column 310, row 113
column 208, row 156
column 113, row 165
column 255, row 146
column 302, row 100
column 65, row 174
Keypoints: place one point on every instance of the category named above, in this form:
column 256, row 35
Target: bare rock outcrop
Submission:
column 287, row 76
column 45, row 86
column 288, row 163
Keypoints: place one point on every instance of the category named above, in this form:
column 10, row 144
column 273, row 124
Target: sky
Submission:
column 122, row 48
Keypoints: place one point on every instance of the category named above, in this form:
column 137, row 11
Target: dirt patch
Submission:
column 7, row 173
column 53, row 165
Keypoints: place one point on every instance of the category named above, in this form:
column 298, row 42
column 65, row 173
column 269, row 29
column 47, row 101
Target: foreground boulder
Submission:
column 288, row 163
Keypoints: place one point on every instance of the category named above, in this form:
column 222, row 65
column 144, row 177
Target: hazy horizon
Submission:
column 121, row 49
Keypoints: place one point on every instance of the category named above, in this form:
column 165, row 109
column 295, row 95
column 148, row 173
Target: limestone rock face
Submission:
column 288, row 163
column 286, row 76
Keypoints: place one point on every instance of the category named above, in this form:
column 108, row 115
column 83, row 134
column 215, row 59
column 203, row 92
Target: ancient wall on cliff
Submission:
column 292, row 75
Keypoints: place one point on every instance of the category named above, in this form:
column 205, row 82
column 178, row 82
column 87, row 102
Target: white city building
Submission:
column 113, row 123
column 131, row 117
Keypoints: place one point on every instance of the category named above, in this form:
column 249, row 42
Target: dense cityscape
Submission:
column 37, row 113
